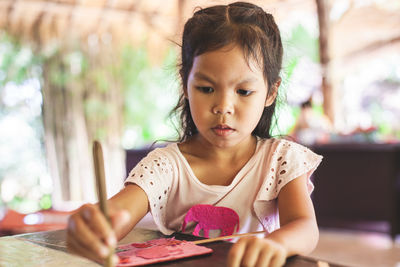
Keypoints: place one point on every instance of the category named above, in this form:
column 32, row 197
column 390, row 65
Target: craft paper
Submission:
column 158, row 250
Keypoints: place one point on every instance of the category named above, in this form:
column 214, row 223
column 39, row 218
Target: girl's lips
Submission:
column 222, row 130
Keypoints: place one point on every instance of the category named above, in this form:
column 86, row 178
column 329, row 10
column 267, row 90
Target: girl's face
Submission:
column 227, row 96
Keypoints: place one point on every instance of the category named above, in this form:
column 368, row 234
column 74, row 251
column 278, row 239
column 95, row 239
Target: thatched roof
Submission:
column 92, row 23
column 124, row 20
column 366, row 32
column 362, row 29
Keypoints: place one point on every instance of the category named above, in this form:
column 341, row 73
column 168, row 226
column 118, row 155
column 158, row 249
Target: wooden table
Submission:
column 49, row 249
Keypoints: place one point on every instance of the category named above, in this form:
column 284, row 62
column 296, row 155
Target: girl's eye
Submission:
column 205, row 89
column 244, row 92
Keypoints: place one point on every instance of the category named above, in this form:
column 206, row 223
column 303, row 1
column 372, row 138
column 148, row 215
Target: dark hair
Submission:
column 240, row 23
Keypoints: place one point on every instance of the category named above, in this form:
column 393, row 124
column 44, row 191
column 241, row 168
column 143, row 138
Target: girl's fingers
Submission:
column 251, row 253
column 76, row 248
column 236, row 253
column 264, row 258
column 99, row 224
column 78, row 231
column 278, row 259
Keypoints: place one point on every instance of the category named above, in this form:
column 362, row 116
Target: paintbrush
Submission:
column 209, row 240
column 98, row 161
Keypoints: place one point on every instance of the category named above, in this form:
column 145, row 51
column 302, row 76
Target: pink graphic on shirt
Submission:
column 209, row 217
column 158, row 250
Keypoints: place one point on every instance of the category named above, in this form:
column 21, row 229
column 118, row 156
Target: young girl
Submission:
column 226, row 172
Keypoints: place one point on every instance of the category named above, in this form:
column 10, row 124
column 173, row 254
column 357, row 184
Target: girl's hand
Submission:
column 90, row 235
column 254, row 251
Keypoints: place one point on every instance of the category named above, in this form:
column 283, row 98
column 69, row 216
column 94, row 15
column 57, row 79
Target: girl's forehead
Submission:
column 231, row 59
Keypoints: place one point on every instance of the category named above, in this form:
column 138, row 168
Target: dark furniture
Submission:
column 358, row 186
column 133, row 156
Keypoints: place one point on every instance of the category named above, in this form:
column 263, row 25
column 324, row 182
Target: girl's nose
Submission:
column 223, row 106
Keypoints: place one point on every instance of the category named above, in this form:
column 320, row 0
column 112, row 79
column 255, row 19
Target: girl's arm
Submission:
column 90, row 235
column 298, row 233
column 134, row 200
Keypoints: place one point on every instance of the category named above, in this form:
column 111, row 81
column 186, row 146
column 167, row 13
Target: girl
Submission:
column 225, row 160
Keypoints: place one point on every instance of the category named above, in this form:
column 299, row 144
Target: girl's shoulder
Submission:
column 285, row 160
column 165, row 153
column 280, row 149
column 161, row 160
column 275, row 145
column 164, row 150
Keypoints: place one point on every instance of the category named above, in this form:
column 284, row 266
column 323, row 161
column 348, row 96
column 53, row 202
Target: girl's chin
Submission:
column 222, row 142
column 223, row 133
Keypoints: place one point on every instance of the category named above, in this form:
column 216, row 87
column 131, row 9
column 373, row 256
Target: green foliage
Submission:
column 304, row 43
column 318, row 109
column 17, row 62
column 24, row 204
column 58, row 78
column 384, row 126
column 22, row 160
column 297, row 45
column 150, row 92
column 98, row 108
column 45, row 202
column 291, row 65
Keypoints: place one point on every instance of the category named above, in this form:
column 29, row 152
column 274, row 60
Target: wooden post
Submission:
column 69, row 129
column 327, row 84
column 66, row 137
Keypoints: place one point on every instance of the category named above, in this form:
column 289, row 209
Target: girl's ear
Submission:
column 185, row 91
column 273, row 92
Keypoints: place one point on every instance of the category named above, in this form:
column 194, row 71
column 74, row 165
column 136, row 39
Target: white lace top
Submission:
column 172, row 188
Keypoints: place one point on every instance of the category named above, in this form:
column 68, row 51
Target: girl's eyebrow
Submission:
column 202, row 76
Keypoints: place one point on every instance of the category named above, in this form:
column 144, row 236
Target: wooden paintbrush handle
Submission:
column 98, row 161
column 209, row 240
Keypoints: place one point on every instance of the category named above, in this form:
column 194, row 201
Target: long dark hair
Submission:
column 240, row 23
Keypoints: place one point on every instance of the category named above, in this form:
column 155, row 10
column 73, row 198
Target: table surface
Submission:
column 49, row 249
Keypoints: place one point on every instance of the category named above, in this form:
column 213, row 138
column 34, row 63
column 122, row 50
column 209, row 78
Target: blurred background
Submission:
column 72, row 71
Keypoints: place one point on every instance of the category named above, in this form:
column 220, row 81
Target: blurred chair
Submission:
column 17, row 223
column 133, row 156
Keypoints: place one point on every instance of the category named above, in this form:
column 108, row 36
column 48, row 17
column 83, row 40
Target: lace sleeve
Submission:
column 154, row 174
column 289, row 161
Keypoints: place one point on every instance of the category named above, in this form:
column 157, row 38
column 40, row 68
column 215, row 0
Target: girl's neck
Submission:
column 201, row 148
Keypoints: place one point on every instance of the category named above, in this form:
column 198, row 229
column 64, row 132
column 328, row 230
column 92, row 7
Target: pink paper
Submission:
column 158, row 250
